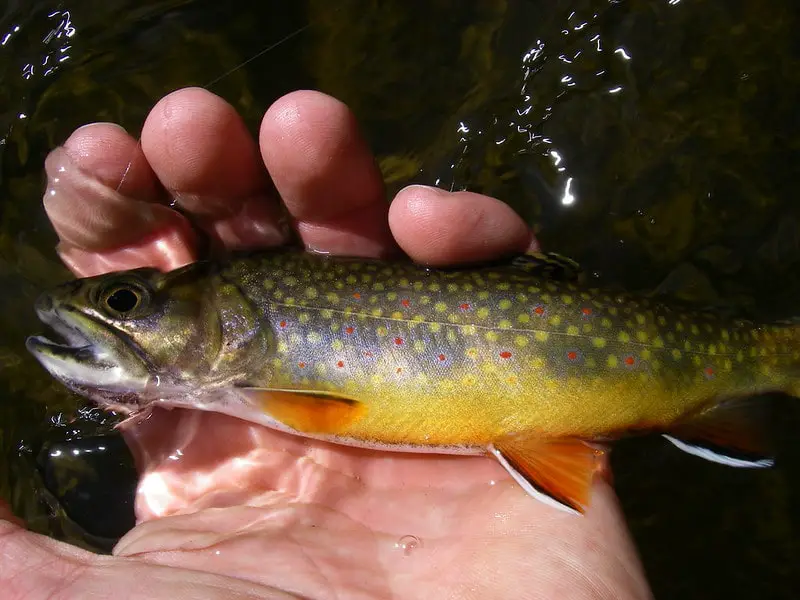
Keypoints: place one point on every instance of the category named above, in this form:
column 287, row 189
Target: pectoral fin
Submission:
column 732, row 434
column 558, row 472
column 307, row 411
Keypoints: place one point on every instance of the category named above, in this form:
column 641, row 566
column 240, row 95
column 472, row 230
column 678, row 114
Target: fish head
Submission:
column 134, row 337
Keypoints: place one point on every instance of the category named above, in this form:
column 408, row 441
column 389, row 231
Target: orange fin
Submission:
column 732, row 433
column 307, row 411
column 558, row 472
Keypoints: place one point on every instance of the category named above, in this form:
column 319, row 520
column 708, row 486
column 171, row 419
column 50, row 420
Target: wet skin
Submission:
column 251, row 513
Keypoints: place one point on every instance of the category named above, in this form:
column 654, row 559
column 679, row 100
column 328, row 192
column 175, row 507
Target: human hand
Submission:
column 246, row 512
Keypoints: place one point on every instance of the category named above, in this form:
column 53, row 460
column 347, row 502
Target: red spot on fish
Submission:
column 442, row 357
column 367, row 353
column 302, row 365
column 348, row 330
column 587, row 312
column 405, row 302
column 398, row 341
column 630, row 361
column 357, row 296
column 572, row 355
column 465, row 306
column 340, row 364
column 282, row 324
column 399, row 369
column 709, row 372
column 539, row 310
column 505, row 354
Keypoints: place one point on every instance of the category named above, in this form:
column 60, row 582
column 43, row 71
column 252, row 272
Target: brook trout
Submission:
column 515, row 360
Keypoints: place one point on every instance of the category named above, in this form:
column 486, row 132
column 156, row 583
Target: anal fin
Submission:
column 559, row 472
column 733, row 433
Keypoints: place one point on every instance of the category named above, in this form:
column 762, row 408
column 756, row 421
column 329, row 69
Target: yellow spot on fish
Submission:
column 320, row 369
column 282, row 347
column 335, row 327
column 469, row 329
column 712, row 349
column 566, row 299
column 290, row 301
column 277, row 363
column 537, row 362
column 492, row 336
column 624, row 337
column 687, row 345
column 417, row 319
column 727, row 365
column 662, row 320
column 440, row 307
column 572, row 330
column 505, row 304
column 606, row 322
column 640, row 319
column 521, row 341
column 645, row 354
column 679, row 326
column 419, row 346
column 351, row 279
column 587, row 328
column 434, row 327
column 304, row 318
column 434, row 287
column 658, row 342
column 541, row 336
column 676, row 354
column 269, row 284
column 452, row 287
column 425, row 300
column 483, row 295
column 391, row 296
column 314, row 337
column 397, row 315
column 382, row 331
column 311, row 293
column 555, row 320
column 451, row 335
column 740, row 356
column 337, row 345
column 503, row 286
column 641, row 336
column 697, row 360
column 376, row 312
column 326, row 313
column 290, row 280
column 482, row 312
column 612, row 361
column 599, row 342
column 695, row 330
column 472, row 352
column 504, row 324
column 671, row 337
column 612, row 310
column 524, row 318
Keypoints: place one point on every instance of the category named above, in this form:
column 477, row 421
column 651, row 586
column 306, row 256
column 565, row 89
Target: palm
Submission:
column 234, row 510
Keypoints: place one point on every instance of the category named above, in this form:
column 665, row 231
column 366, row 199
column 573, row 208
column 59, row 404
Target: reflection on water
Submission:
column 655, row 142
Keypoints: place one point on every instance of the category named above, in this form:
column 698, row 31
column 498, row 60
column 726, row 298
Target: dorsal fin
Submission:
column 548, row 265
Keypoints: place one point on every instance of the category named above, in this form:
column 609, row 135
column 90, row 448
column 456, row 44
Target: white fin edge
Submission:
column 722, row 459
column 526, row 485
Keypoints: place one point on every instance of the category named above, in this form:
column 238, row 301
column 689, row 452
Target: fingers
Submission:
column 94, row 220
column 440, row 228
column 202, row 153
column 326, row 175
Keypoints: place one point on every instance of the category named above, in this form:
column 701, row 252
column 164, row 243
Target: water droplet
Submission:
column 492, row 482
column 408, row 543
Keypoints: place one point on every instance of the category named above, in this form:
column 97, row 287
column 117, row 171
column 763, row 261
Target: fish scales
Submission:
column 427, row 349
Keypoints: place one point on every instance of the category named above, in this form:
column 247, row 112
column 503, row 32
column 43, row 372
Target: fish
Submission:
column 518, row 359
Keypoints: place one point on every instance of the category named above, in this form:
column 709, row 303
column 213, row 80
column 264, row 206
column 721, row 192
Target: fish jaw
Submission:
column 90, row 361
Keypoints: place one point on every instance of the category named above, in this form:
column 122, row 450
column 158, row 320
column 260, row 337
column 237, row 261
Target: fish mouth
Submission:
column 86, row 356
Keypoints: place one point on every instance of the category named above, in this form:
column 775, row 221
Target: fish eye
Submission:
column 121, row 300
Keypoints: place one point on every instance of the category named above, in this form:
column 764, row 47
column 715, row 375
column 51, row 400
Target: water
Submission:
column 653, row 141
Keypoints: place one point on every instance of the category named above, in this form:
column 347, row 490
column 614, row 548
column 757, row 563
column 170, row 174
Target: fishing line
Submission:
column 216, row 80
